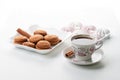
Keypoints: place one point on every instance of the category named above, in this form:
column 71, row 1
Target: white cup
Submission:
column 84, row 46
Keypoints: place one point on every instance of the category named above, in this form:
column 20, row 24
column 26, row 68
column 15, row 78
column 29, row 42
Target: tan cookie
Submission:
column 56, row 42
column 43, row 44
column 42, row 32
column 53, row 39
column 35, row 38
column 20, row 39
column 29, row 44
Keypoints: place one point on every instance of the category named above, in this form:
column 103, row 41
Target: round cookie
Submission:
column 42, row 32
column 20, row 39
column 54, row 43
column 29, row 44
column 53, row 39
column 35, row 38
column 43, row 44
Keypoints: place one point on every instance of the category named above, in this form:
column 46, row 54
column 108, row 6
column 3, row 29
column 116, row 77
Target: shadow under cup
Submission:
column 84, row 46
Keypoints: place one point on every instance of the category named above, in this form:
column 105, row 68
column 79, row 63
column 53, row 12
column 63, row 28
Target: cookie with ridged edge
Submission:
column 20, row 39
column 29, row 44
column 35, row 38
column 43, row 44
column 53, row 39
column 42, row 32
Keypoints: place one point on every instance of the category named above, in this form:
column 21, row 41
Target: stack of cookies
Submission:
column 39, row 40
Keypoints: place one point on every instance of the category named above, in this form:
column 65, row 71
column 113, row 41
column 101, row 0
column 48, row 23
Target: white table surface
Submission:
column 18, row 64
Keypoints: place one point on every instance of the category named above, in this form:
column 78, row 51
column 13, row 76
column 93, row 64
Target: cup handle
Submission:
column 98, row 45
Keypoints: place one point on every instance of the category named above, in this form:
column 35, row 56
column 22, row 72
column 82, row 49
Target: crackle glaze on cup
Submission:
column 84, row 46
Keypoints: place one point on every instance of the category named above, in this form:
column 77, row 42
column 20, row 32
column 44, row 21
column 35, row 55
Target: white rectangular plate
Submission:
column 61, row 34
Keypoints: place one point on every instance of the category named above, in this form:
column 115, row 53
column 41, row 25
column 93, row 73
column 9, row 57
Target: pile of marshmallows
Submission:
column 98, row 33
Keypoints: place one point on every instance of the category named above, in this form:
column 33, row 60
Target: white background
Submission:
column 17, row 64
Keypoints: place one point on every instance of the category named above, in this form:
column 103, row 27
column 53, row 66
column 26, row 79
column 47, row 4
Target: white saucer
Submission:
column 96, row 57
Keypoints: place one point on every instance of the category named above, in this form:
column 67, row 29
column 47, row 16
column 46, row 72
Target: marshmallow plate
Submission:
column 61, row 34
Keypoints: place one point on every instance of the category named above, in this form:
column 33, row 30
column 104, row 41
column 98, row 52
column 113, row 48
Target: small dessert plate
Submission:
column 96, row 57
column 62, row 35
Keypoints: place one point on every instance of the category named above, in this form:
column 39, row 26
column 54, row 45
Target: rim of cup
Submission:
column 83, row 36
